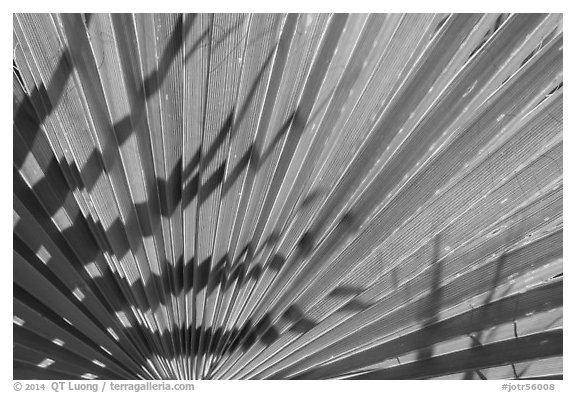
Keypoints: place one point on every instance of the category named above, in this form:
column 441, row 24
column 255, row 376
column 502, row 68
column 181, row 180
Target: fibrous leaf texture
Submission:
column 303, row 196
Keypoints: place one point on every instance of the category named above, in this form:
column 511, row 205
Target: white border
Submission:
column 300, row 6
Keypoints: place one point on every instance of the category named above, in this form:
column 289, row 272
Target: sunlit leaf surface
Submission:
column 287, row 196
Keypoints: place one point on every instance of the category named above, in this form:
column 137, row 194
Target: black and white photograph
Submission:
column 286, row 196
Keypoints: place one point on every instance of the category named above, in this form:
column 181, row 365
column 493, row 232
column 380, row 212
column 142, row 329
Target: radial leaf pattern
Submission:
column 276, row 196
